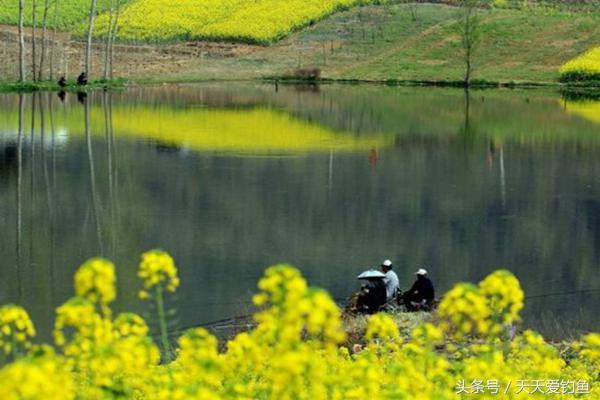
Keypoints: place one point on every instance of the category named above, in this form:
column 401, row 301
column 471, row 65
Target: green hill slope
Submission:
column 71, row 13
column 382, row 43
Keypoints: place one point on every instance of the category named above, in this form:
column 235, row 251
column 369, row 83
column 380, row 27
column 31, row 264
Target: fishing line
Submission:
column 561, row 293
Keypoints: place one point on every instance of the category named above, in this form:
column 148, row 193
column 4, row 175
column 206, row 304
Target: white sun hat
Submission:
column 372, row 273
column 387, row 263
column 421, row 271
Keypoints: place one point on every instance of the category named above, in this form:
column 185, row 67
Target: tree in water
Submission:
column 88, row 50
column 469, row 29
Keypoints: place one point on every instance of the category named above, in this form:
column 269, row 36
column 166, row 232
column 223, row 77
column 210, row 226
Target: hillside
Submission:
column 391, row 42
column 386, row 42
column 257, row 21
column 71, row 13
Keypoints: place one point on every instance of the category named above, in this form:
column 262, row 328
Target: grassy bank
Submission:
column 356, row 325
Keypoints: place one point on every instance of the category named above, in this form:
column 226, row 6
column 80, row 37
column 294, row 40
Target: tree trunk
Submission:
column 44, row 29
column 469, row 27
column 468, row 68
column 33, row 31
column 113, row 38
column 21, row 42
column 88, row 51
column 53, row 42
column 108, row 38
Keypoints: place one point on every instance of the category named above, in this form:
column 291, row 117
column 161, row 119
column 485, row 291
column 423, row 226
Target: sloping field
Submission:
column 256, row 21
column 71, row 13
column 381, row 43
column 251, row 21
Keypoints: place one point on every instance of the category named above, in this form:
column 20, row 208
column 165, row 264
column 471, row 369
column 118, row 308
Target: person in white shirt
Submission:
column 392, row 284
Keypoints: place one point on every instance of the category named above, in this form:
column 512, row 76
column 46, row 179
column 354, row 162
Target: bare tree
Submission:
column 21, row 42
column 412, row 6
column 44, row 39
column 88, row 51
column 115, row 29
column 33, row 37
column 108, row 39
column 469, row 28
column 53, row 42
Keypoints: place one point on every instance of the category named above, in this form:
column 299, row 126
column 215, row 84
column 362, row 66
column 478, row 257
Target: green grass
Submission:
column 385, row 44
column 388, row 44
column 71, row 13
column 356, row 325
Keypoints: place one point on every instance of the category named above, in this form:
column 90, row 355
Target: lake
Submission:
column 231, row 178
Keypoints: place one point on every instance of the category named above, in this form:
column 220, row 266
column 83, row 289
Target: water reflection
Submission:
column 588, row 109
column 336, row 180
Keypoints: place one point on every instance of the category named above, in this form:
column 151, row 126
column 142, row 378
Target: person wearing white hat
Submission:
column 422, row 294
column 392, row 283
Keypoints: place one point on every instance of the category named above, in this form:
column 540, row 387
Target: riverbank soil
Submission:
column 395, row 42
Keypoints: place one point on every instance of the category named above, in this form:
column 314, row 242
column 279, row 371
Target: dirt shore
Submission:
column 131, row 60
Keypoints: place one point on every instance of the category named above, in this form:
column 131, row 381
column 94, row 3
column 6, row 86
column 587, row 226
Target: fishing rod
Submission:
column 562, row 293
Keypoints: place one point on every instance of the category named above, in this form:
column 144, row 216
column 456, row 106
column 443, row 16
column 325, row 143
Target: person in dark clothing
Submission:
column 422, row 294
column 371, row 296
column 62, row 82
column 82, row 79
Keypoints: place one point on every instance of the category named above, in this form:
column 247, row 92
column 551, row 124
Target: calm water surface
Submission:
column 232, row 178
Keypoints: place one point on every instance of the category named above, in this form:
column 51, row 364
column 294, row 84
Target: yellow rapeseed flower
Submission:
column 583, row 67
column 44, row 377
column 16, row 328
column 256, row 21
column 157, row 268
column 95, row 281
column 295, row 351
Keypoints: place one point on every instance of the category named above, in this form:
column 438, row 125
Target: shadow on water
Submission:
column 232, row 179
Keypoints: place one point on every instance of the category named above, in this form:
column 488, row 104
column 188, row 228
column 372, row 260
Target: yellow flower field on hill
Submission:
column 256, row 21
column 582, row 68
